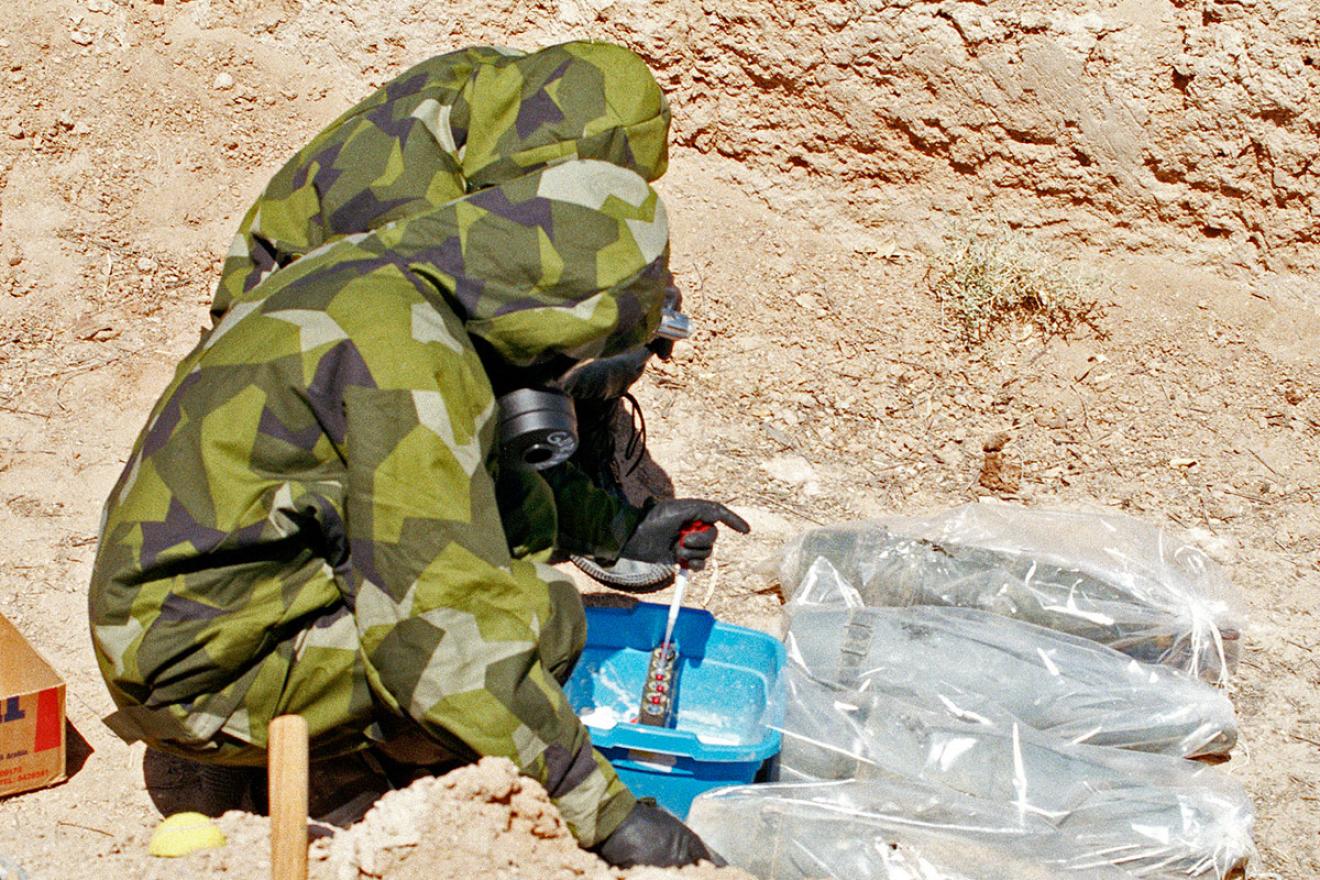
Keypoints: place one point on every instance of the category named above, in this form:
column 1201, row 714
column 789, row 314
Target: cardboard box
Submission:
column 31, row 716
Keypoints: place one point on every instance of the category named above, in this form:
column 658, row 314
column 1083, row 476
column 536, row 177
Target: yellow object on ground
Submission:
column 185, row 833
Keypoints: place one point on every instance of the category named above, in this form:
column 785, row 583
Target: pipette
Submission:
column 661, row 685
column 680, row 583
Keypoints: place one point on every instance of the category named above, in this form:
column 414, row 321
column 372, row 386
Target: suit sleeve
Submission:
column 591, row 521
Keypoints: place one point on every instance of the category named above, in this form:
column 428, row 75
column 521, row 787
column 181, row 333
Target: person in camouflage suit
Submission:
column 311, row 521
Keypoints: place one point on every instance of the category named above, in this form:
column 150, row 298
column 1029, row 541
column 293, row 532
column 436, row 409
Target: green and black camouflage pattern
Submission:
column 452, row 125
column 444, row 128
column 309, row 523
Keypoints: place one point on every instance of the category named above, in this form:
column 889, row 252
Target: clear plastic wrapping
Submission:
column 973, row 696
column 1073, row 688
column 1104, row 577
column 893, row 830
column 881, row 785
column 890, row 830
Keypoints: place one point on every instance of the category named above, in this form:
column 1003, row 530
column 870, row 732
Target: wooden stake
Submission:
column 287, row 762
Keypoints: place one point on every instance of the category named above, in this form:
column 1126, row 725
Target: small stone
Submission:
column 95, row 331
column 16, row 259
column 998, row 474
column 16, row 130
column 792, row 469
column 1224, row 509
column 81, row 38
column 223, row 82
column 145, row 265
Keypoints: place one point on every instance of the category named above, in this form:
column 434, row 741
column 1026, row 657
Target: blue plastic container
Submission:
column 726, row 680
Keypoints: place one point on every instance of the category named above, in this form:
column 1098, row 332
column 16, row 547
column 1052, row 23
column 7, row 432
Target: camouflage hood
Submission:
column 522, row 113
column 450, row 126
column 582, row 100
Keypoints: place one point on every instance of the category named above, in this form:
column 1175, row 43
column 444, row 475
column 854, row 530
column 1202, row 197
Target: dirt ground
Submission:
column 823, row 382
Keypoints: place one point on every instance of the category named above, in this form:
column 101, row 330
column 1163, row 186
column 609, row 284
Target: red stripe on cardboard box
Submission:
column 48, row 734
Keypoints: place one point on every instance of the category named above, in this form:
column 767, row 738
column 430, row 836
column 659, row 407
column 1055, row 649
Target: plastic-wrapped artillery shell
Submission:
column 1071, row 687
column 1103, row 577
column 1152, row 815
column 887, row 830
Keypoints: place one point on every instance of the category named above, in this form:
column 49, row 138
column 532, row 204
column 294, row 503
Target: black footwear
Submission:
column 178, row 785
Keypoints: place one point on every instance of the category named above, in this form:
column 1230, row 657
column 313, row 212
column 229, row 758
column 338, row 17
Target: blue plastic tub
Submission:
column 726, row 680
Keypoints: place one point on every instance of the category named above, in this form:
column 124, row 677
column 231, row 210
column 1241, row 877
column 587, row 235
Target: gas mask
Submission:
column 538, row 426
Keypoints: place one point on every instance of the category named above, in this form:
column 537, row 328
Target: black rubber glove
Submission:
column 651, row 835
column 657, row 536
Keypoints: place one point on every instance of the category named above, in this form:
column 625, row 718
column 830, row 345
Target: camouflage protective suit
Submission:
column 309, row 523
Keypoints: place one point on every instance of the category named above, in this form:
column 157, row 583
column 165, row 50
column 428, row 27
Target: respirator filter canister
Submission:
column 538, row 428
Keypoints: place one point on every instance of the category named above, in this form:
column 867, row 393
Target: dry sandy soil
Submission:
column 819, row 156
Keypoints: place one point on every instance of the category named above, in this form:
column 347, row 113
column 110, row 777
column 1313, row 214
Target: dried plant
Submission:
column 992, row 276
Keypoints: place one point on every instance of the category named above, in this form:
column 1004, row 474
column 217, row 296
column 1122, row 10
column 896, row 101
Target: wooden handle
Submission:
column 287, row 761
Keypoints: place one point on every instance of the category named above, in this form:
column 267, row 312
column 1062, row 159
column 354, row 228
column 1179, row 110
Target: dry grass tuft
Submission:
column 989, row 277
